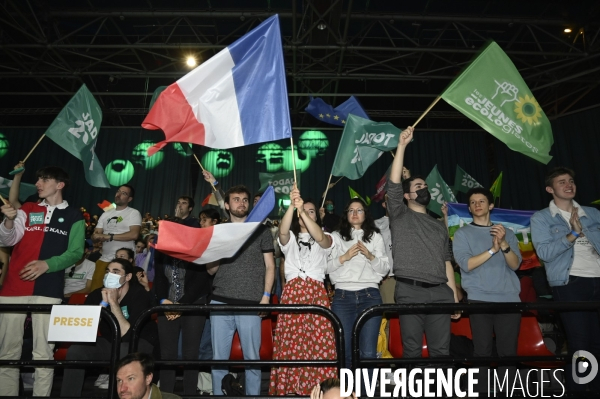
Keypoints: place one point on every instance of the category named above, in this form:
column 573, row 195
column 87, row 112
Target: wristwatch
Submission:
column 507, row 250
column 112, row 237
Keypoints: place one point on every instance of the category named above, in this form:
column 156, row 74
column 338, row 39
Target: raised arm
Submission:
column 405, row 137
column 13, row 194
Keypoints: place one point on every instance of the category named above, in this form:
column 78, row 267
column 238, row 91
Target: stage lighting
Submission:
column 191, row 61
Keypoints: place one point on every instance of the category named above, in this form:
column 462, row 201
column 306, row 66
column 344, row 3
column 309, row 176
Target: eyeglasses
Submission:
column 72, row 272
column 356, row 211
column 120, row 192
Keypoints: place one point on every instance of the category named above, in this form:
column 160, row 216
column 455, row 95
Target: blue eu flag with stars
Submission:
column 338, row 115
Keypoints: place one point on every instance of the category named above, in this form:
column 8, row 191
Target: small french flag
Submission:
column 209, row 244
column 237, row 97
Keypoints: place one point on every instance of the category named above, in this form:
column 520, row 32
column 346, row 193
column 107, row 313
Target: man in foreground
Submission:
column 134, row 378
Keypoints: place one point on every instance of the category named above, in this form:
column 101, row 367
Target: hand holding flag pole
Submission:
column 19, row 170
column 202, row 167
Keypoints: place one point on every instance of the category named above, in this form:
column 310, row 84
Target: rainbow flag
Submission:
column 517, row 221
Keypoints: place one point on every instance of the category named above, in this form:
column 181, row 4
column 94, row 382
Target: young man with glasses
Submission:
column 117, row 228
column 245, row 279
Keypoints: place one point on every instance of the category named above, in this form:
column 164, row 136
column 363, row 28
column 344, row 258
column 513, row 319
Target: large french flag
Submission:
column 209, row 244
column 237, row 97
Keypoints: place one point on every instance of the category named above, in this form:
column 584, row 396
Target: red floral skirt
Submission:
column 302, row 336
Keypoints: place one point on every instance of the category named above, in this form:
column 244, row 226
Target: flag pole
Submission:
column 36, row 144
column 427, row 110
column 327, row 189
column 3, row 200
column 294, row 166
column 293, row 158
column 19, row 170
column 202, row 167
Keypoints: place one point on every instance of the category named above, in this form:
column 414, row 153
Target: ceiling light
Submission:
column 321, row 26
column 568, row 30
column 191, row 62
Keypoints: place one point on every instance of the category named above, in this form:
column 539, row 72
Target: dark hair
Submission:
column 239, row 189
column 146, row 361
column 54, row 172
column 141, row 240
column 190, row 200
column 127, row 265
column 131, row 190
column 406, row 185
column 368, row 226
column 558, row 171
column 259, row 194
column 295, row 227
column 211, row 213
column 330, row 200
column 328, row 384
column 482, row 191
column 129, row 251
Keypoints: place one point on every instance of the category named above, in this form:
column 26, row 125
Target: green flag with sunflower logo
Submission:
column 492, row 93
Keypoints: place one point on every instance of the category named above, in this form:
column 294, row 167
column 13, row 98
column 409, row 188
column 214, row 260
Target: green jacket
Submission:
column 155, row 393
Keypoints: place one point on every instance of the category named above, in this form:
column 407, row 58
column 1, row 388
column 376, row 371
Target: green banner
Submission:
column 496, row 188
column 363, row 141
column 282, row 183
column 440, row 191
column 463, row 181
column 355, row 194
column 76, row 130
column 25, row 190
column 492, row 93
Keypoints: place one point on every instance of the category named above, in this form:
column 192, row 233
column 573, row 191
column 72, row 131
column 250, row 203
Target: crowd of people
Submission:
column 405, row 257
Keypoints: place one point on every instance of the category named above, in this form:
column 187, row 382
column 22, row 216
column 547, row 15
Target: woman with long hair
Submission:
column 357, row 264
column 302, row 336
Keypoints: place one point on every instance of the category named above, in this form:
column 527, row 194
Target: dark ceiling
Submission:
column 395, row 56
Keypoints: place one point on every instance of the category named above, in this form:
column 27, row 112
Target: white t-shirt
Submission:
column 304, row 261
column 384, row 227
column 587, row 261
column 76, row 281
column 117, row 222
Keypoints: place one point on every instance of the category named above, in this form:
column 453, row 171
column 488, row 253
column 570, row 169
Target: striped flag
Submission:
column 209, row 244
column 237, row 97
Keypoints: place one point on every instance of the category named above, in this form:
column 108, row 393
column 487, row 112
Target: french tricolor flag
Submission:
column 209, row 244
column 237, row 97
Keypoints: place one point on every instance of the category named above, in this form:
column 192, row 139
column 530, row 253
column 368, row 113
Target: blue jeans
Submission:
column 582, row 328
column 347, row 305
column 223, row 327
column 206, row 352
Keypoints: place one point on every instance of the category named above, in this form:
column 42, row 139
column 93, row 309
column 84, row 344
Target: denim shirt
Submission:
column 549, row 235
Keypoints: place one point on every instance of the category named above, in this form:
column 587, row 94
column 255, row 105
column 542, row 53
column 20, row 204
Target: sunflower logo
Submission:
column 528, row 110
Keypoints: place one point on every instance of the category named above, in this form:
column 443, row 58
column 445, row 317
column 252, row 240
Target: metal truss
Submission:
column 396, row 57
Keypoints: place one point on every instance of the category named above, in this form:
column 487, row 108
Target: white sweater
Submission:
column 359, row 272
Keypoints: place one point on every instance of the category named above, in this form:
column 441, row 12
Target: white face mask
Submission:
column 112, row 280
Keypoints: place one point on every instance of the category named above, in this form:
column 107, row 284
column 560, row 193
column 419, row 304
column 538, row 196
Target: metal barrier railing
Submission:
column 449, row 308
column 114, row 350
column 327, row 313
